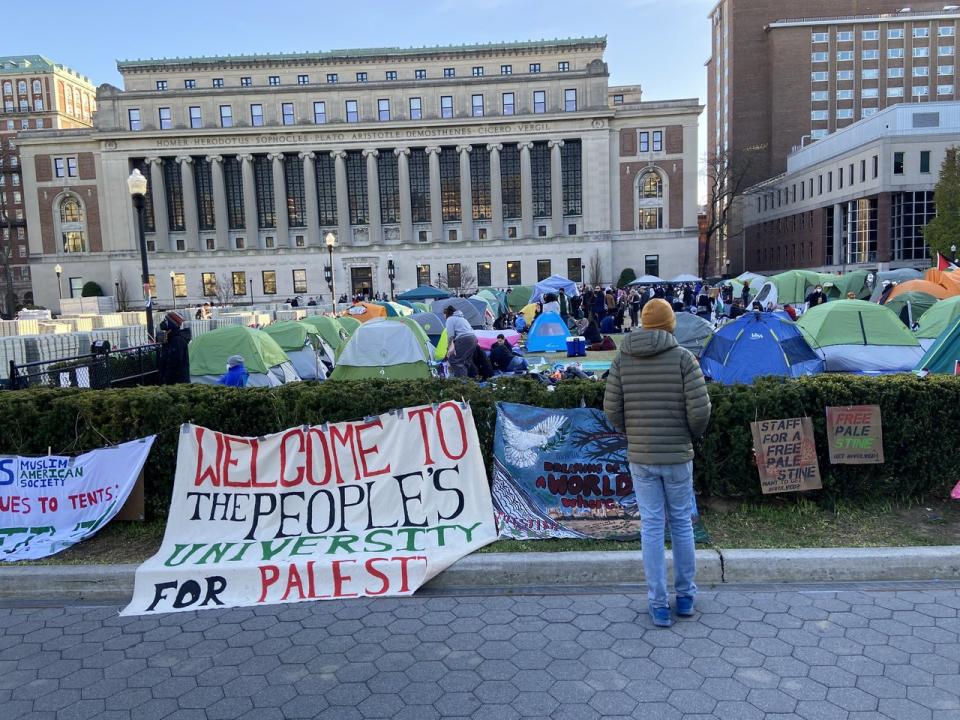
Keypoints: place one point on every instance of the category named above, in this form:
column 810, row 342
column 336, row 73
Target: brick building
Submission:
column 35, row 93
column 495, row 164
column 826, row 64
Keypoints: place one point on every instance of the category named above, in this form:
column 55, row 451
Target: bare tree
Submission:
column 123, row 294
column 466, row 281
column 223, row 291
column 6, row 270
column 595, row 269
column 727, row 181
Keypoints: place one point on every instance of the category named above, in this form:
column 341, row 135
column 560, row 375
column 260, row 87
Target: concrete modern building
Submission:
column 827, row 64
column 36, row 93
column 859, row 198
column 492, row 164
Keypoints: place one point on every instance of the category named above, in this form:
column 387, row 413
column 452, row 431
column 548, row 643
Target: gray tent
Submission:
column 431, row 323
column 692, row 332
column 471, row 312
column 892, row 276
column 484, row 307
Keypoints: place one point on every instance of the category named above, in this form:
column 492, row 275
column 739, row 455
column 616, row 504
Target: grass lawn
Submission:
column 770, row 523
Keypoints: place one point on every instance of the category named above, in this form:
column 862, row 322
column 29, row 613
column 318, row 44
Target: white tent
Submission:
column 685, row 278
column 552, row 285
column 648, row 280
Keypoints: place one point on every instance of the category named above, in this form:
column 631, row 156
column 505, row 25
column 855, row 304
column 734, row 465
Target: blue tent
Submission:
column 548, row 334
column 423, row 292
column 552, row 285
column 758, row 344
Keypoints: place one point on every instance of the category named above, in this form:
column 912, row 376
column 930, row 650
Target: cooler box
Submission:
column 576, row 346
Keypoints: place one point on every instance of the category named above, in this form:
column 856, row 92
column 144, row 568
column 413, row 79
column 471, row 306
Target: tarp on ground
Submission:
column 942, row 356
column 471, row 313
column 518, row 296
column 329, row 328
column 424, row 292
column 938, row 318
column 911, row 306
column 263, row 358
column 924, row 286
column 553, row 284
column 365, row 311
column 386, row 348
column 859, row 336
column 692, row 332
column 758, row 344
column 548, row 334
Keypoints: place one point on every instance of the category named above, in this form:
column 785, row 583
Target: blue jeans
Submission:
column 666, row 492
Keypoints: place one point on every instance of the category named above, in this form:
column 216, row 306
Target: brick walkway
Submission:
column 813, row 654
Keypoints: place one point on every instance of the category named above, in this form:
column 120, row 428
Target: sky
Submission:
column 658, row 44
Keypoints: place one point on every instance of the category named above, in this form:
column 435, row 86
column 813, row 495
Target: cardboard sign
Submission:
column 855, row 434
column 786, row 455
column 374, row 507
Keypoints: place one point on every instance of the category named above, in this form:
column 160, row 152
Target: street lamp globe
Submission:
column 173, row 275
column 57, row 269
column 136, row 183
column 331, row 240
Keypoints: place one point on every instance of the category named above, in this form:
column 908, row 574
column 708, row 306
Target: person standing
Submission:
column 634, row 301
column 173, row 361
column 236, row 374
column 660, row 428
column 461, row 341
column 564, row 305
column 817, row 297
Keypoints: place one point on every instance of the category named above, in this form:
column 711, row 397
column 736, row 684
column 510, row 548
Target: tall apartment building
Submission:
column 495, row 164
column 36, row 93
column 782, row 75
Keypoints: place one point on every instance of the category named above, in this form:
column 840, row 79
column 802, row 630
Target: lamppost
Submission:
column 137, row 185
column 59, row 270
column 251, row 291
column 391, row 272
column 173, row 288
column 331, row 240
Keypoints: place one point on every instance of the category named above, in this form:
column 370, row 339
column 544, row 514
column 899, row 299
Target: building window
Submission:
column 921, row 32
column 819, row 76
column 945, row 70
column 423, row 275
column 480, row 184
column 894, row 53
column 274, row 80
column 209, row 281
column 332, row 78
column 383, row 110
column 508, row 103
column 422, row 236
column 540, row 180
column 819, row 37
column 189, row 84
column 320, row 112
column 572, row 178
column 845, row 36
column 287, row 112
column 476, row 105
column 844, row 113
column 944, row 89
column 420, row 186
column 449, row 72
column 483, row 275
column 921, row 71
column 506, row 69
column 161, row 85
column 390, row 75
column 510, row 181
column 534, row 67
column 58, row 169
column 895, row 72
column 454, row 276
column 543, row 270
column 303, row 79
column 196, row 119
column 218, row 82
column 569, row 100
column 945, row 51
column 269, row 280
column 203, row 182
column 133, row 117
column 179, row 285
column 945, row 31
column 870, row 35
column 226, row 116
column 72, row 225
column 446, row 106
column 357, row 188
column 420, row 74
column 845, row 75
column 481, row 233
column 478, row 71
column 326, row 188
column 239, row 278
column 645, row 141
column 256, row 115
column 650, row 201
column 361, row 77
column 269, row 242
column 388, row 177
column 894, row 92
column 263, row 181
column 658, row 141
column 296, row 192
column 300, row 281
column 921, row 91
column 871, row 54
column 910, row 213
column 173, row 182
column 844, row 94
column 921, row 52
column 651, row 265
column 416, row 108
column 924, row 161
column 898, row 163
column 618, row 99
column 539, row 101
column 876, row 165
column 845, row 55
column 246, row 81
column 575, row 269
column 513, row 272
column 563, row 66
column 863, row 171
column 353, row 114
column 868, row 93
column 450, row 186
column 239, row 243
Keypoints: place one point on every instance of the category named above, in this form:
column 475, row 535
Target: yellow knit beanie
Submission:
column 658, row 315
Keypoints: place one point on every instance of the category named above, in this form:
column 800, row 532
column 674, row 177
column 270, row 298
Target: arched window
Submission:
column 8, row 88
column 22, row 87
column 72, row 225
column 36, row 87
column 650, row 200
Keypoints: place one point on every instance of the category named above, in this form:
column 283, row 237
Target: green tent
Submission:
column 349, row 324
column 303, row 346
column 938, row 318
column 837, row 286
column 519, row 296
column 395, row 309
column 386, row 348
column 329, row 328
column 262, row 356
column 496, row 299
column 943, row 355
column 910, row 306
column 292, row 334
column 420, row 307
column 793, row 285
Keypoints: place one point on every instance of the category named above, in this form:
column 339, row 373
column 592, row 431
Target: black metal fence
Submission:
column 97, row 370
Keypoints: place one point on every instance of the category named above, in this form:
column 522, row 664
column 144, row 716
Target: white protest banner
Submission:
column 49, row 503
column 366, row 508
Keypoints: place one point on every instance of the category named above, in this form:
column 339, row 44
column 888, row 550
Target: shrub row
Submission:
column 921, row 418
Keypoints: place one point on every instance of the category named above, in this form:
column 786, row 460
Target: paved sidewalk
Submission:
column 815, row 653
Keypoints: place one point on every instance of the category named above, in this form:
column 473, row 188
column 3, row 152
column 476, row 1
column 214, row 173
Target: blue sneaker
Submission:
column 684, row 606
column 661, row 617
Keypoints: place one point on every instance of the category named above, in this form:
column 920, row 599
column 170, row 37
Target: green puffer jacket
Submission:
column 656, row 394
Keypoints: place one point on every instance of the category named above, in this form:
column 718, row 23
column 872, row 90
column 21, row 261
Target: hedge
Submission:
column 920, row 421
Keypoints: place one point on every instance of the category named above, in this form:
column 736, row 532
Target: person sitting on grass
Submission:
column 503, row 358
column 236, row 375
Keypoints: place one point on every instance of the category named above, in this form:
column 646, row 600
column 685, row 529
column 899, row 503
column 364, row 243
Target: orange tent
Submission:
column 949, row 280
column 924, row 286
column 366, row 311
